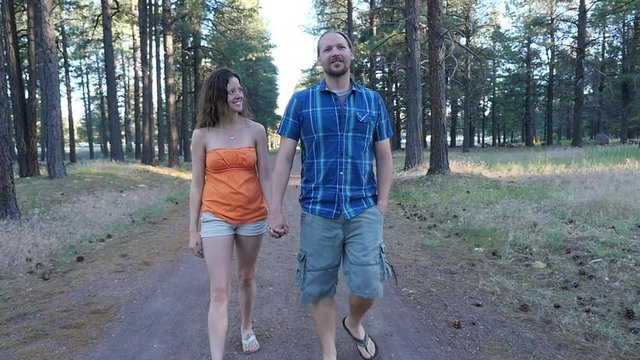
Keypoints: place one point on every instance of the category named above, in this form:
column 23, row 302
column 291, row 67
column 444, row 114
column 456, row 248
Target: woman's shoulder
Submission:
column 254, row 125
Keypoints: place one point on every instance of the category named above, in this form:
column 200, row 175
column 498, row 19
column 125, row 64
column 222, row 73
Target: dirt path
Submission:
column 145, row 297
column 167, row 320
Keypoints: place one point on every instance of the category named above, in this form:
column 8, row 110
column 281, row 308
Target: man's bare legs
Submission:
column 248, row 248
column 218, row 252
column 358, row 307
column 324, row 313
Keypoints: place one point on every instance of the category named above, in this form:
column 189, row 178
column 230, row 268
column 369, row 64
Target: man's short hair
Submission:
column 335, row 32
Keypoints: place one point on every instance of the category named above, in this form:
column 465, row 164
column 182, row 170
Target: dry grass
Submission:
column 96, row 201
column 577, row 211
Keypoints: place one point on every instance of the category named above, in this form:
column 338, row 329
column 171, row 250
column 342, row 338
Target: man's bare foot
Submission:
column 365, row 344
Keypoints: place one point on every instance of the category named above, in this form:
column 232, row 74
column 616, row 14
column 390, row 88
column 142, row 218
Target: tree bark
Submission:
column 115, row 138
column 413, row 147
column 31, row 130
column 147, row 124
column 551, row 78
column 439, row 157
column 160, row 119
column 467, row 132
column 197, row 72
column 67, row 82
column 453, row 131
column 88, row 120
column 16, row 81
column 170, row 84
column 104, row 129
column 528, row 96
column 185, row 120
column 128, row 138
column 137, row 118
column 8, row 203
column 372, row 53
column 50, row 88
column 579, row 79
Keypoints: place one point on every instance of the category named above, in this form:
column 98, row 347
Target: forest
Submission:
column 458, row 73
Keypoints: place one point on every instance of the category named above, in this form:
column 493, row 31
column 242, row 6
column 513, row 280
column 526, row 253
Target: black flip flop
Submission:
column 361, row 343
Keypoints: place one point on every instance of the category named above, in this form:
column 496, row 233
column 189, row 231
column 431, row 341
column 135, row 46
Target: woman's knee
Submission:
column 247, row 277
column 220, row 294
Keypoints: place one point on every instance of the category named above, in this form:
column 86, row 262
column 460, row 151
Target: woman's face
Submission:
column 235, row 95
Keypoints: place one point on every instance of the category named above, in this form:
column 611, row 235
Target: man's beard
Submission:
column 337, row 72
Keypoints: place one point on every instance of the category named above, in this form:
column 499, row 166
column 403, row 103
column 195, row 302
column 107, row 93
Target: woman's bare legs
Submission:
column 247, row 254
column 218, row 252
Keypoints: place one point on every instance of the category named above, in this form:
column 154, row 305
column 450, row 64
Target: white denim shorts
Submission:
column 211, row 225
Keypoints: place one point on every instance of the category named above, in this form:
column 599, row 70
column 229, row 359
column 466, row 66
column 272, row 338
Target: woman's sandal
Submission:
column 247, row 344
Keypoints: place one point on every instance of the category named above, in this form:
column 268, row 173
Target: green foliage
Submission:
column 240, row 41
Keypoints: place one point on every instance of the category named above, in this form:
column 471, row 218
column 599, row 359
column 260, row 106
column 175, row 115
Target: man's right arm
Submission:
column 279, row 181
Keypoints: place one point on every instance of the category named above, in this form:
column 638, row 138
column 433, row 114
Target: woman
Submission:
column 230, row 183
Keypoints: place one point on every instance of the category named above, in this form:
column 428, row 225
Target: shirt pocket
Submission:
column 363, row 125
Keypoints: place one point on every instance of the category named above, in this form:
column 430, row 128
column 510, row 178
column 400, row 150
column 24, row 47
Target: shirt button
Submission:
column 341, row 173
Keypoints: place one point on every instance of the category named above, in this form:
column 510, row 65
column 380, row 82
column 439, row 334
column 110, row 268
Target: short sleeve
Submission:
column 290, row 124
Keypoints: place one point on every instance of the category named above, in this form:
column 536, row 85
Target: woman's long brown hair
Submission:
column 212, row 104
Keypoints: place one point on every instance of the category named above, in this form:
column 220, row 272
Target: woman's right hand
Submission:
column 195, row 244
column 277, row 226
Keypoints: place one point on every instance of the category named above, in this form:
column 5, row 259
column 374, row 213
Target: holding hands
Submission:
column 277, row 227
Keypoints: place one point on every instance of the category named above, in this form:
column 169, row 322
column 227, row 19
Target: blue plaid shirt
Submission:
column 337, row 147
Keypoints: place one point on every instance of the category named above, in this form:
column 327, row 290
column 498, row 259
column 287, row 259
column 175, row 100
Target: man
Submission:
column 342, row 127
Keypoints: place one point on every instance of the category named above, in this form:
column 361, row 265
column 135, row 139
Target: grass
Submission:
column 95, row 202
column 575, row 210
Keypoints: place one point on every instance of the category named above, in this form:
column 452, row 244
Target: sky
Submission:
column 294, row 49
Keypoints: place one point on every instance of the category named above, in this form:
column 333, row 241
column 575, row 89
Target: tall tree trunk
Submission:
column 104, row 129
column 31, row 130
column 67, row 82
column 602, row 78
column 137, row 116
column 50, row 87
column 162, row 133
column 528, row 97
column 147, row 124
column 197, row 72
column 453, row 131
column 128, row 138
column 112, row 94
column 350, row 27
column 413, row 149
column 372, row 53
column 551, row 77
column 579, row 79
column 185, row 120
column 14, row 70
column 170, row 83
column 88, row 117
column 439, row 158
column 630, row 43
column 8, row 203
column 151, row 126
column 467, row 129
column 495, row 137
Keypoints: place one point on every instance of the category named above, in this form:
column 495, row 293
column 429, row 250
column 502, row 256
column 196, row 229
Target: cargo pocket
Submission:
column 386, row 270
column 300, row 271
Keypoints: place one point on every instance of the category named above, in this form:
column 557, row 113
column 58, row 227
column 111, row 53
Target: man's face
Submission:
column 334, row 54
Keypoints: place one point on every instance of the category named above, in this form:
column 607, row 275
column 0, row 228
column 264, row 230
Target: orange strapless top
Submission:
column 232, row 190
